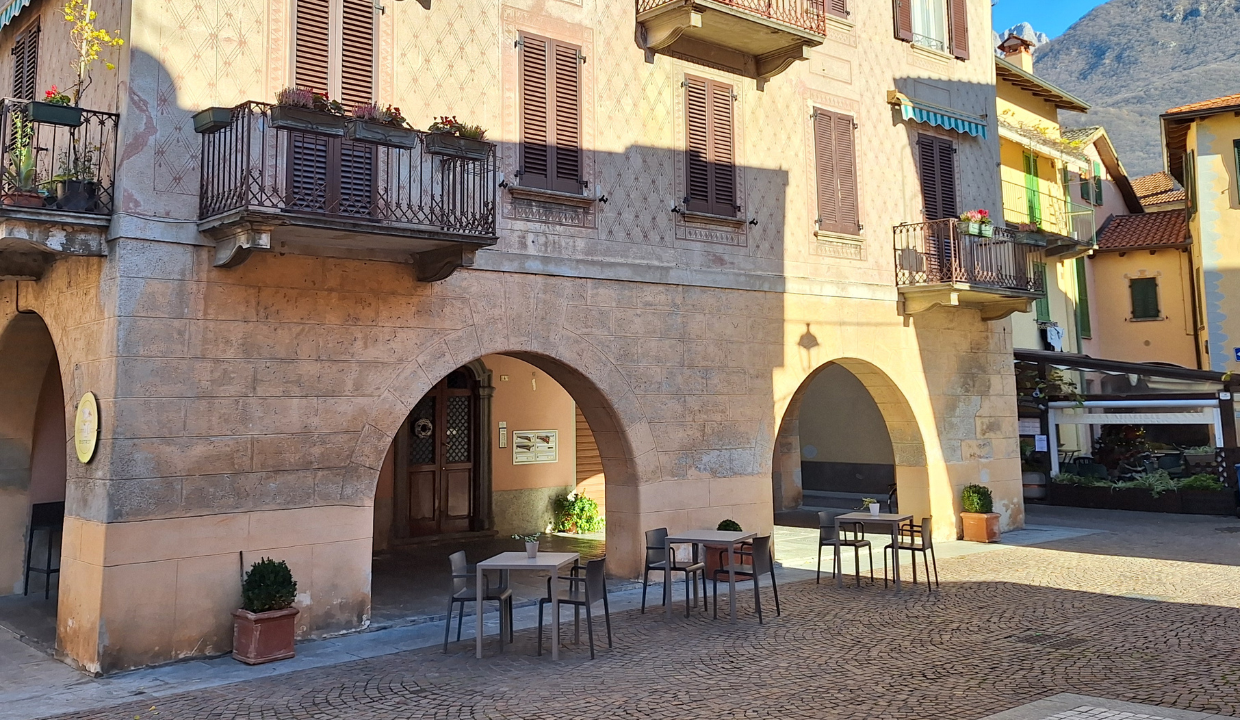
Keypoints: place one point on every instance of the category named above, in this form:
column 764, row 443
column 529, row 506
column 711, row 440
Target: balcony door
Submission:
column 442, row 458
column 936, row 166
column 330, row 175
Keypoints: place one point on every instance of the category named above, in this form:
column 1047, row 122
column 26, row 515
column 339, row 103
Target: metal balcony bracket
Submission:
column 773, row 63
column 666, row 24
column 236, row 242
column 438, row 264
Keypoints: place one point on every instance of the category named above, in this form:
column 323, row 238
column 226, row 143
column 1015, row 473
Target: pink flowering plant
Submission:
column 452, row 126
column 56, row 97
column 374, row 113
column 309, row 99
column 976, row 216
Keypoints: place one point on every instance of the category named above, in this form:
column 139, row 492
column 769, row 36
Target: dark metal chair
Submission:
column 762, row 561
column 916, row 538
column 852, row 534
column 656, row 560
column 464, row 590
column 581, row 592
column 51, row 518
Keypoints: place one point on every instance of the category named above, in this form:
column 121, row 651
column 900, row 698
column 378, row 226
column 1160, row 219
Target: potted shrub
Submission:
column 870, row 504
column 981, row 523
column 76, row 187
column 717, row 555
column 56, row 109
column 264, row 626
column 212, row 119
column 531, row 544
column 450, row 137
column 305, row 110
column 21, row 176
column 380, row 125
column 576, row 513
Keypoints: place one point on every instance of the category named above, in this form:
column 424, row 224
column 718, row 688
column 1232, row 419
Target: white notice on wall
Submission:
column 1030, row 426
column 1039, row 443
column 534, row 446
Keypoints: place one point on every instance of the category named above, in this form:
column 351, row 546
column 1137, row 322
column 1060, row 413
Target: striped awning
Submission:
column 10, row 11
column 937, row 116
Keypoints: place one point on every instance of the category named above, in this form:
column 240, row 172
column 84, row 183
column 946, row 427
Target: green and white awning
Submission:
column 936, row 115
column 10, row 11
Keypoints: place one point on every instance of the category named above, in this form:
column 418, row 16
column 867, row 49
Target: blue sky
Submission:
column 1048, row 16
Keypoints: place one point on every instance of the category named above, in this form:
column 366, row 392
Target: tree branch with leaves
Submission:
column 88, row 40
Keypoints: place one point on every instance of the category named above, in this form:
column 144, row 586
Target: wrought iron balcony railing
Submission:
column 255, row 161
column 805, row 14
column 57, row 157
column 934, row 253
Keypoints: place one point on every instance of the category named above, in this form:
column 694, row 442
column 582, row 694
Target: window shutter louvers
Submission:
column 824, row 160
column 26, row 63
column 535, row 110
column 838, row 8
column 1083, row 325
column 312, row 48
column 1144, row 298
column 1097, row 183
column 357, row 53
column 697, row 145
column 947, row 179
column 846, row 174
column 926, row 152
column 1041, row 306
column 722, row 166
column 903, row 13
column 958, row 11
column 567, row 119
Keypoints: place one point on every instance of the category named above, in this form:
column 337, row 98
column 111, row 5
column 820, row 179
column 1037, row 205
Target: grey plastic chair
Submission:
column 915, row 538
column 852, row 534
column 464, row 584
column 656, row 560
column 581, row 592
column 762, row 562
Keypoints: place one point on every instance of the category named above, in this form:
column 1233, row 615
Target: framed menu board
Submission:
column 535, row 446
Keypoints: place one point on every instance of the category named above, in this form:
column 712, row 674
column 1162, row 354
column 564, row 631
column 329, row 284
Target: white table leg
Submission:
column 837, row 562
column 667, row 578
column 478, row 614
column 555, row 613
column 732, row 581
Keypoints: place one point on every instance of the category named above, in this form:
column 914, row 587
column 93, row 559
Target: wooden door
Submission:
column 442, row 447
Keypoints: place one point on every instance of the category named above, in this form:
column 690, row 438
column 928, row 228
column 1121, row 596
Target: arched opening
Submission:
column 848, row 433
column 32, row 479
column 500, row 446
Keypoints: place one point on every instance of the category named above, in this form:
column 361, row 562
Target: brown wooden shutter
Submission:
column 825, row 171
column 697, row 145
column 566, row 152
column 312, row 50
column 357, row 53
column 838, row 8
column 958, row 19
column 307, row 172
column 846, row 174
column 26, row 63
column 936, row 164
column 903, row 12
column 535, row 113
column 357, row 178
column 722, row 161
column 947, row 178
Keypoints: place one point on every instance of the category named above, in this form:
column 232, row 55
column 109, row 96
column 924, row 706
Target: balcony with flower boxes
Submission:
column 56, row 194
column 754, row 38
column 301, row 180
column 949, row 263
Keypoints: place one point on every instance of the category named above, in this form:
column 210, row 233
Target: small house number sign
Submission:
column 534, row 446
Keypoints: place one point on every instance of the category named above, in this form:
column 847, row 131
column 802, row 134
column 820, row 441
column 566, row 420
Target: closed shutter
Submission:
column 312, row 49
column 697, row 145
column 567, row 119
column 1087, row 193
column 710, row 159
column 357, row 178
column 846, row 167
column 1082, row 301
column 838, row 8
column 1042, row 306
column 824, row 164
column 903, row 13
column 958, row 17
column 307, row 169
column 357, row 53
column 550, row 115
column 26, row 63
column 936, row 159
column 1097, row 183
column 1144, row 293
column 535, row 113
column 1190, row 182
column 722, row 162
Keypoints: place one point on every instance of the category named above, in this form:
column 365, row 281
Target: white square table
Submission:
column 551, row 562
column 704, row 537
column 895, row 520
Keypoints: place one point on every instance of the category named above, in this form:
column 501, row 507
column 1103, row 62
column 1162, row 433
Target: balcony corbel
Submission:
column 438, row 264
column 234, row 243
column 665, row 24
column 774, row 63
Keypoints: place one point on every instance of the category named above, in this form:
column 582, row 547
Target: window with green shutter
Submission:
column 1097, row 183
column 1082, row 300
column 1042, row 308
column 1190, row 182
column 1144, row 298
column 1086, row 188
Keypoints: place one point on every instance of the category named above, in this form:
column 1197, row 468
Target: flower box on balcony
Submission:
column 987, row 230
column 455, row 146
column 212, row 119
column 381, row 134
column 66, row 115
column 307, row 120
column 968, row 228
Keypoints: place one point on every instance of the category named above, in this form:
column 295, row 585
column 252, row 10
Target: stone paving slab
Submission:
column 1067, row 706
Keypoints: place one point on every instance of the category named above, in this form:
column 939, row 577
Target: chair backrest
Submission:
column 927, row 536
column 826, row 525
column 655, row 544
column 459, row 567
column 762, row 554
column 596, row 579
column 852, row 531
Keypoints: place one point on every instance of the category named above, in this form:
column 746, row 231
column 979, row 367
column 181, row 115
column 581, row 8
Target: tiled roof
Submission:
column 1157, row 188
column 1216, row 104
column 1080, row 134
column 1147, row 230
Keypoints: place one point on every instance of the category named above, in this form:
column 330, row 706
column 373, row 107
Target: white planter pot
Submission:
column 873, row 508
column 531, row 549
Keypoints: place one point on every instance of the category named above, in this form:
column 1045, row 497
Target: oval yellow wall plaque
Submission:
column 86, row 427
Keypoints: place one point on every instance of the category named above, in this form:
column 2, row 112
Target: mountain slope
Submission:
column 1134, row 59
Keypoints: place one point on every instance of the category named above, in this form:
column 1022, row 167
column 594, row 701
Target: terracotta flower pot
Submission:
column 263, row 637
column 20, row 198
column 980, row 527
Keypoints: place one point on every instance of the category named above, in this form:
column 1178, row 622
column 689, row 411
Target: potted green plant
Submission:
column 305, row 110
column 76, row 187
column 981, row 523
column 380, row 125
column 213, row 119
column 56, row 109
column 717, row 555
column 975, row 222
column 266, row 624
column 448, row 136
column 870, row 504
column 21, row 188
column 576, row 513
column 531, row 543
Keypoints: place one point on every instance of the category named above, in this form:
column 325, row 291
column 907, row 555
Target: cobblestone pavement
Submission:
column 1006, row 628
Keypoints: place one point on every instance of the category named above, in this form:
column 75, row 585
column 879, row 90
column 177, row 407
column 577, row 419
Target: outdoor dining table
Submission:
column 893, row 519
column 552, row 562
column 704, row 537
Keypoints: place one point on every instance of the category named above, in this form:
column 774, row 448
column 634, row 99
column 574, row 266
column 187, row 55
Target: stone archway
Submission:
column 908, row 452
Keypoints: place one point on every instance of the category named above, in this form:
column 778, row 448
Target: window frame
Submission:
column 840, row 227
column 553, row 182
column 1132, row 298
column 713, row 205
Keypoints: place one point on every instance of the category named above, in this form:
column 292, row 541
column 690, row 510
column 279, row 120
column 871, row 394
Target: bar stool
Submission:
column 49, row 517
